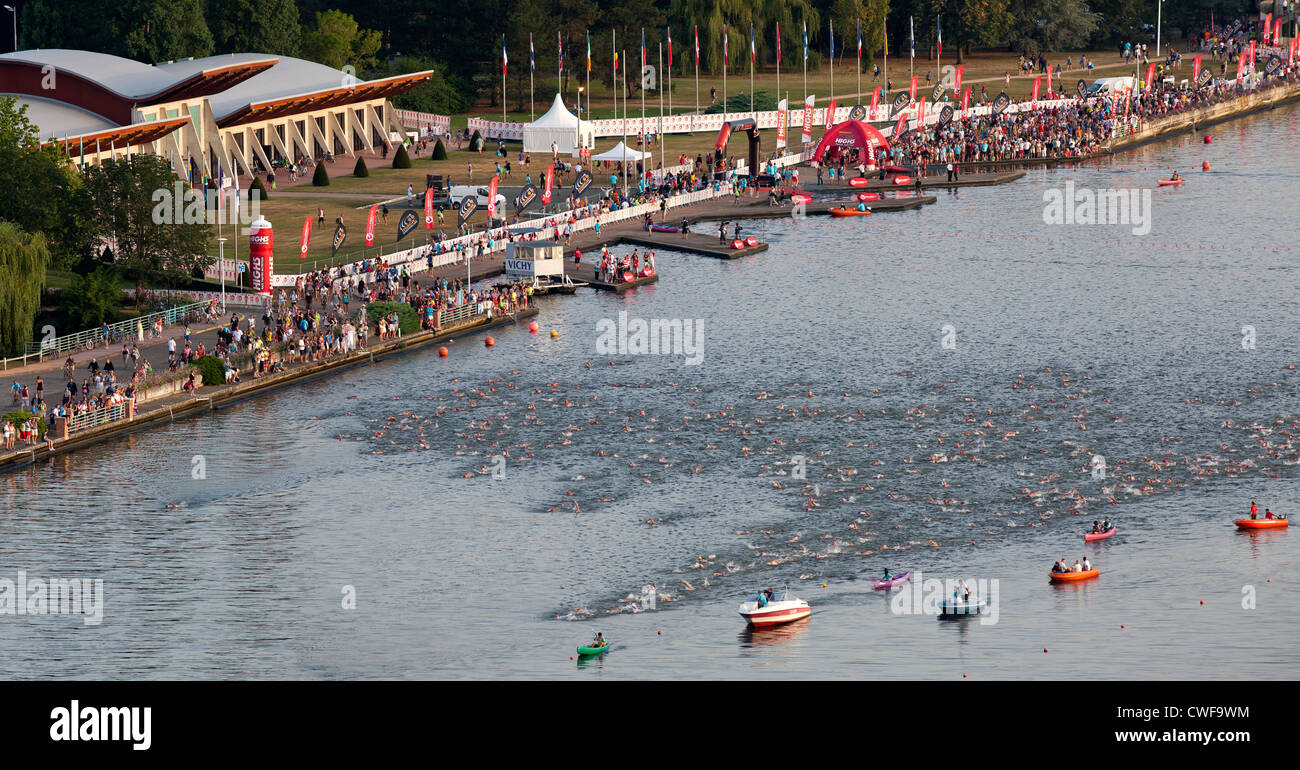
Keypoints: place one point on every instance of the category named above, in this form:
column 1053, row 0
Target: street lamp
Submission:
column 221, row 268
column 14, row 11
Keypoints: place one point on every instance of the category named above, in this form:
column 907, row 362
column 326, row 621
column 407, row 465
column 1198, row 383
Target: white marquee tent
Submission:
column 620, row 153
column 563, row 128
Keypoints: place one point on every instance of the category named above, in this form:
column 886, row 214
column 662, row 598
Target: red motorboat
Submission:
column 774, row 612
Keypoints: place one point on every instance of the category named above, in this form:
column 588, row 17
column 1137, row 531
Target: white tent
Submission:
column 561, row 127
column 621, row 154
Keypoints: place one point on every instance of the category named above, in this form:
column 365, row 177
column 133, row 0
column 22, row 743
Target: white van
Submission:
column 1108, row 86
column 459, row 191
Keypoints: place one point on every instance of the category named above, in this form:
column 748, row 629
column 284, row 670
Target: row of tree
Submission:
column 461, row 39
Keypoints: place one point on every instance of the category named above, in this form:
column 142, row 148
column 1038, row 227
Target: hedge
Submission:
column 213, row 370
column 407, row 318
column 360, row 169
column 321, row 177
column 401, row 159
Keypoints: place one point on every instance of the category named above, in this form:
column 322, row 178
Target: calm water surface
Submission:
column 970, row 462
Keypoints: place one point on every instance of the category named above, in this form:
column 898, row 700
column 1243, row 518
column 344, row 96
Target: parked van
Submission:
column 1108, row 86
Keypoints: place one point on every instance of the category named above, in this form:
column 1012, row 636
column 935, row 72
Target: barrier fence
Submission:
column 121, row 331
column 81, row 421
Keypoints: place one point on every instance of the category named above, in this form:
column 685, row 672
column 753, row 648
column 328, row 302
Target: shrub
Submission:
column 257, row 190
column 360, row 169
column 18, row 418
column 321, row 178
column 400, row 158
column 212, row 369
column 439, row 151
column 407, row 318
column 476, row 141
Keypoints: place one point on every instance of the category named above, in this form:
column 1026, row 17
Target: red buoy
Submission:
column 1207, row 138
column 532, row 328
column 442, row 352
column 489, row 342
column 1205, row 166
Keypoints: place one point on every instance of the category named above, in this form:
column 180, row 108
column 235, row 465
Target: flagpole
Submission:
column 532, row 106
column 503, row 80
column 832, row 60
column 859, row 61
column 697, row 79
column 725, row 47
column 911, row 61
column 885, row 24
column 778, row 67
column 624, row 124
column 805, row 62
column 662, row 162
column 938, row 48
column 753, row 55
column 645, row 141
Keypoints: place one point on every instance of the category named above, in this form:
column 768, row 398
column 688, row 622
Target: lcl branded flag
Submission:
column 340, row 235
column 900, row 103
column 428, row 209
column 782, row 117
column 936, row 92
column 550, row 182
column 830, row 112
column 371, row 218
column 492, row 196
column 580, row 184
column 1001, row 102
column 806, row 134
column 945, row 116
column 468, row 205
column 527, row 197
column 306, row 238
column 407, row 223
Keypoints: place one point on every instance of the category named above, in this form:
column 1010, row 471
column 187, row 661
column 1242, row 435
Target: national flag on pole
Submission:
column 670, row 48
column 753, row 51
column 697, row 46
column 589, row 51
column 559, row 42
column 504, row 58
column 532, row 56
column 884, row 24
column 859, row 40
column 726, row 47
column 778, row 45
column 643, row 48
column 805, row 41
column 939, row 43
column 832, row 45
column 616, row 64
column 911, row 32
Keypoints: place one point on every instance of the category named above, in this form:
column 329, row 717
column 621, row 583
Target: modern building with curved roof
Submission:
column 227, row 115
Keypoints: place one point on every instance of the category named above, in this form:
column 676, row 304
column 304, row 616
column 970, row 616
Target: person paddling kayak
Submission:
column 599, row 640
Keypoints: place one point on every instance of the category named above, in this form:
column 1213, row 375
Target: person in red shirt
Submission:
column 1253, row 510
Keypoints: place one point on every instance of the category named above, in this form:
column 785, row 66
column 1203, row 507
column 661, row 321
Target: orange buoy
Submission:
column 442, row 352
column 489, row 342
column 1205, row 166
column 532, row 328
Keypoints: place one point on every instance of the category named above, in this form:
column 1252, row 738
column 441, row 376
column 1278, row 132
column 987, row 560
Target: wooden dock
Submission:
column 696, row 243
column 981, row 179
column 587, row 272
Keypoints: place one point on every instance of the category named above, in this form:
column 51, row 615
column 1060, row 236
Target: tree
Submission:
column 147, row 30
column 130, row 206
column 439, row 151
column 257, row 190
column 1049, row 25
column 23, row 258
column 336, row 41
column 92, row 298
column 360, row 169
column 261, row 26
column 400, row 158
column 969, row 23
column 38, row 191
column 320, row 177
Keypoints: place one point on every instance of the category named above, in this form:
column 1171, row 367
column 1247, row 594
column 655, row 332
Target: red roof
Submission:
column 850, row 135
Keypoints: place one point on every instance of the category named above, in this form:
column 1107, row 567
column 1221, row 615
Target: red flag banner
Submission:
column 782, row 118
column 875, row 99
column 306, row 238
column 1252, row 53
column 830, row 112
column 428, row 209
column 370, row 225
column 956, row 85
column 1151, row 74
column 901, row 125
column 1196, row 69
column 807, row 119
column 1038, row 81
column 492, row 196
column 1049, row 82
column 920, row 114
column 912, row 94
column 550, row 180
column 965, row 103
column 1241, row 65
column 1268, row 29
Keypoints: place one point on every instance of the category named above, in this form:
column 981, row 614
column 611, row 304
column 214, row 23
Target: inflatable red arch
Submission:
column 851, row 135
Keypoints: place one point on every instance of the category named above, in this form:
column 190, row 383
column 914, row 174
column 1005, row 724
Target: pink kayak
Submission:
column 881, row 585
column 1168, row 182
column 1091, row 536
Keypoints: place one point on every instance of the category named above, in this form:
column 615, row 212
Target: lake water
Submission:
column 946, row 376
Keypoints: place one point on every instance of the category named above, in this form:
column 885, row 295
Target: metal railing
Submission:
column 78, row 422
column 121, row 331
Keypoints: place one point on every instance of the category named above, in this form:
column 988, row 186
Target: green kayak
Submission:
column 589, row 651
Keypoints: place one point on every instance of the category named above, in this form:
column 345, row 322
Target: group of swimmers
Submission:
column 1079, row 566
column 1254, row 513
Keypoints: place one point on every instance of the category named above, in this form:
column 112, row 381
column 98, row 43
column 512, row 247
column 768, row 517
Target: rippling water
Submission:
column 973, row 462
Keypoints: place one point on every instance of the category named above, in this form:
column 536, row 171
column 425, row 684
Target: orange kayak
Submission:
column 1069, row 577
column 1262, row 523
column 848, row 213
